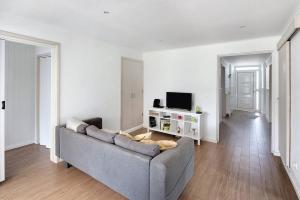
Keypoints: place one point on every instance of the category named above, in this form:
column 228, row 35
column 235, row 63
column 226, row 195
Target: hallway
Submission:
column 241, row 166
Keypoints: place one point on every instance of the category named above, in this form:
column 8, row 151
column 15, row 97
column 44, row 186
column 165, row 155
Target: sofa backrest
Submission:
column 121, row 169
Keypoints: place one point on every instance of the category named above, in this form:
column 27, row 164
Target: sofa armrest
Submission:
column 171, row 170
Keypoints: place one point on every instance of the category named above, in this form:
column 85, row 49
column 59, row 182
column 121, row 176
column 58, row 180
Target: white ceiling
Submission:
column 159, row 24
column 247, row 60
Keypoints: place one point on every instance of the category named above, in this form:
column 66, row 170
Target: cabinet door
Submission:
column 295, row 105
column 284, row 103
column 132, row 94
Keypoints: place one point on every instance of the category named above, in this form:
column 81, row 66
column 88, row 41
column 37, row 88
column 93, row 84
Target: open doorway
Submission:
column 19, row 95
column 246, row 84
column 27, row 102
column 245, row 94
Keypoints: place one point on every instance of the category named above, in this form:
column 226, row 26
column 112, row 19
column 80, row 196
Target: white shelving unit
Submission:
column 176, row 122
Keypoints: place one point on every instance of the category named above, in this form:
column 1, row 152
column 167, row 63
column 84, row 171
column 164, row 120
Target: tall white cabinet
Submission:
column 295, row 108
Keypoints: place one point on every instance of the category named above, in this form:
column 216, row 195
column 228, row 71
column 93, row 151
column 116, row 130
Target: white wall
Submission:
column 19, row 95
column 90, row 73
column 196, row 70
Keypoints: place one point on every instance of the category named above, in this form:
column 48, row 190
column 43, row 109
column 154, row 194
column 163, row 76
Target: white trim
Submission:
column 276, row 153
column 291, row 29
column 206, row 139
column 55, row 69
column 10, row 147
column 134, row 129
column 293, row 179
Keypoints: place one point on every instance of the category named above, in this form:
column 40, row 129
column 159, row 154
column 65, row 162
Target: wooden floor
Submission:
column 239, row 167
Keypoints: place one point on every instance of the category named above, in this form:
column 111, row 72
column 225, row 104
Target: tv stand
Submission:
column 176, row 122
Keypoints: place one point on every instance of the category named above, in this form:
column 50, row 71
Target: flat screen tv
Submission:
column 179, row 100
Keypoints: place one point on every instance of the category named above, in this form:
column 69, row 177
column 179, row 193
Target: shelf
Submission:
column 188, row 123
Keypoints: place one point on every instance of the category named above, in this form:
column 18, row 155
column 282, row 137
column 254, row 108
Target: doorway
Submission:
column 132, row 97
column 247, row 87
column 54, row 118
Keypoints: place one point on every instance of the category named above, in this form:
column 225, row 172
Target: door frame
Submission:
column 37, row 94
column 55, row 80
column 121, row 92
column 254, row 86
column 219, row 56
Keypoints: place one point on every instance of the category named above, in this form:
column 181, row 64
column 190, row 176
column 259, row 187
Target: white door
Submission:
column 2, row 111
column 246, row 91
column 132, row 93
column 284, row 103
column 44, row 101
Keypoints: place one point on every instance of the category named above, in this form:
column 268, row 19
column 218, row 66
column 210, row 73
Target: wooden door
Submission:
column 132, row 93
column 284, row 103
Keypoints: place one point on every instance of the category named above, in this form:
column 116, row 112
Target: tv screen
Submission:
column 179, row 100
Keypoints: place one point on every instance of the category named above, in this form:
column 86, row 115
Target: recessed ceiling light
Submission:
column 243, row 26
column 106, row 12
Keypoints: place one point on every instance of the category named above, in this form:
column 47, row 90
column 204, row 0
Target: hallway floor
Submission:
column 240, row 167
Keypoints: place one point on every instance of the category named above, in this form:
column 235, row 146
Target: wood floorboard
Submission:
column 240, row 167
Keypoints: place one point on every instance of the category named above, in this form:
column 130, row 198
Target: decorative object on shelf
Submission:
column 156, row 103
column 179, row 117
column 198, row 110
column 152, row 122
column 178, row 129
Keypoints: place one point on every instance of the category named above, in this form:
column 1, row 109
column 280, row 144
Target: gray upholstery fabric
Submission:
column 171, row 170
column 134, row 175
column 97, row 133
column 82, row 128
column 146, row 149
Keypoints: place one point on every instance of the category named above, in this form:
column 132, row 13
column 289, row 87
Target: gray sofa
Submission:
column 132, row 174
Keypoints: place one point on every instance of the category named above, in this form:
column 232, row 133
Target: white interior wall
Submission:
column 196, row 70
column 19, row 95
column 90, row 83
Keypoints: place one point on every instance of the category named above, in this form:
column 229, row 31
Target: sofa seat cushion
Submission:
column 146, row 149
column 97, row 133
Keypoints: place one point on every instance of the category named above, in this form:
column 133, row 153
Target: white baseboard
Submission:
column 14, row 146
column 109, row 130
column 210, row 140
column 293, row 180
column 134, row 128
column 275, row 153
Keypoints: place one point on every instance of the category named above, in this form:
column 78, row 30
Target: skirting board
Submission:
column 134, row 129
column 276, row 153
column 209, row 140
column 10, row 147
column 293, row 180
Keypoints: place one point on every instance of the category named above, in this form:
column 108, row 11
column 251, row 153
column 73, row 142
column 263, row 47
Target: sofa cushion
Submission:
column 76, row 125
column 146, row 149
column 97, row 133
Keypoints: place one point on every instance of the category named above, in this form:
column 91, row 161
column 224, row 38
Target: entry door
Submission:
column 132, row 93
column 2, row 111
column 44, row 101
column 284, row 103
column 246, row 91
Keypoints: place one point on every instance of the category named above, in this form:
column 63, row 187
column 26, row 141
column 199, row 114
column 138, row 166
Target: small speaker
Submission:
column 156, row 103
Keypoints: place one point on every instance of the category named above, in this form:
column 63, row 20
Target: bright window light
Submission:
column 246, row 68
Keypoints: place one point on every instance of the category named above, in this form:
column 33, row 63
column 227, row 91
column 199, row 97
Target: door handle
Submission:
column 3, row 105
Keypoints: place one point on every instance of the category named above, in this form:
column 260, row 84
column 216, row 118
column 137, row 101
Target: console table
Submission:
column 176, row 122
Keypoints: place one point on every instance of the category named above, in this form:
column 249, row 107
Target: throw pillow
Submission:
column 99, row 134
column 76, row 125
